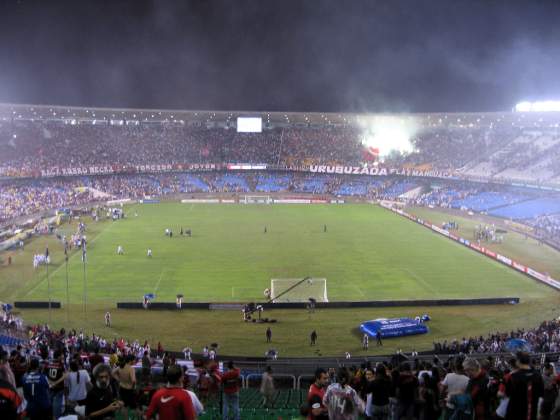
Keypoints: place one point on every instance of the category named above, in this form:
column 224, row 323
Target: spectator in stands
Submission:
column 267, row 387
column 77, row 382
column 454, row 383
column 315, row 407
column 95, row 358
column 36, row 393
column 11, row 404
column 125, row 375
column 407, row 391
column 146, row 367
column 230, row 383
column 55, row 373
column 341, row 400
column 6, row 373
column 477, row 388
column 524, row 387
column 100, row 401
column 380, row 389
column 172, row 402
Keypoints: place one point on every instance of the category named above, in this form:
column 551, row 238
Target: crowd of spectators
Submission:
column 547, row 227
column 56, row 372
column 27, row 147
column 543, row 339
column 21, row 198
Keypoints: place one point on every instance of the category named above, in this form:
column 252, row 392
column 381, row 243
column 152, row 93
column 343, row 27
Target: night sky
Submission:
column 281, row 55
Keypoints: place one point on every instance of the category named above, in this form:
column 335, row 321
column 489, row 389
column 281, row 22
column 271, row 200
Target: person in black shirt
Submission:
column 100, row 401
column 55, row 372
column 313, row 338
column 380, row 392
column 407, row 392
column 524, row 387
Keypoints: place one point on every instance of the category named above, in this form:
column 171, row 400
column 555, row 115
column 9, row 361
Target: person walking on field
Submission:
column 313, row 338
column 268, row 335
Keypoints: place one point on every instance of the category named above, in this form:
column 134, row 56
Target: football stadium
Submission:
column 172, row 263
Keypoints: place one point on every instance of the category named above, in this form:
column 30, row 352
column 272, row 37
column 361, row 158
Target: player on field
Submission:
column 107, row 319
column 120, row 250
column 150, row 252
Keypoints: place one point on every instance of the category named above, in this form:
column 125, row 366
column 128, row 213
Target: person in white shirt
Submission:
column 78, row 383
column 187, row 351
column 150, row 252
column 455, row 382
column 198, row 407
column 341, row 400
column 120, row 250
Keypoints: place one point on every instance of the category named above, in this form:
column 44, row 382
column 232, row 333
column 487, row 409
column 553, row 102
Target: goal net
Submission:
column 257, row 199
column 285, row 290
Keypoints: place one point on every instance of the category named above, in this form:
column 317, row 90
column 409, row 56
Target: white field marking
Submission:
column 360, row 291
column 420, row 280
column 159, row 281
column 69, row 258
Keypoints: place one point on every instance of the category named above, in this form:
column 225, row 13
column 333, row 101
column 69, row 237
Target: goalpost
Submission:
column 315, row 288
column 257, row 199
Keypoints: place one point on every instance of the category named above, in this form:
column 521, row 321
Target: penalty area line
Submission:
column 360, row 291
column 159, row 281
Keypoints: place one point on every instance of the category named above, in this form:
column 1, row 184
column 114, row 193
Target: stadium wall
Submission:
column 534, row 274
column 36, row 305
column 333, row 305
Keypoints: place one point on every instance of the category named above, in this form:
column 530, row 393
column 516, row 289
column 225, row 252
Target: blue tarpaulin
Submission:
column 393, row 327
column 517, row 344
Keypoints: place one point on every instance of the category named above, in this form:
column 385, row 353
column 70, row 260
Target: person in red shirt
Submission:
column 316, row 408
column 172, row 402
column 230, row 381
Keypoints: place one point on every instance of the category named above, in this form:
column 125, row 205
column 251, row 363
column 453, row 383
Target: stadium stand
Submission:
column 497, row 148
column 529, row 209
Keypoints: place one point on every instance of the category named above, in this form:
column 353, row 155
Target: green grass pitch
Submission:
column 368, row 253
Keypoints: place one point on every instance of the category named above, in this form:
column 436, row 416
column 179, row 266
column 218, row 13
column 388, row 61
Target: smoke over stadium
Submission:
column 289, row 210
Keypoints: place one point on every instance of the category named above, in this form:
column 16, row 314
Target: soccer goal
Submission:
column 288, row 290
column 257, row 199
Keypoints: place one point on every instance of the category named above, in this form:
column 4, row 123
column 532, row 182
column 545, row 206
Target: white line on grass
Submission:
column 360, row 291
column 69, row 258
column 159, row 281
column 420, row 280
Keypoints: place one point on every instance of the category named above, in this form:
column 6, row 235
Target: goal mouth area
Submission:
column 256, row 199
column 286, row 290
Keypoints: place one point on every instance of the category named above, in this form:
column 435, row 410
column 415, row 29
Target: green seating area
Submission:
column 287, row 403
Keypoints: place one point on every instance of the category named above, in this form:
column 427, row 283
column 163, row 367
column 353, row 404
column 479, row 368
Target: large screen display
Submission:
column 249, row 125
